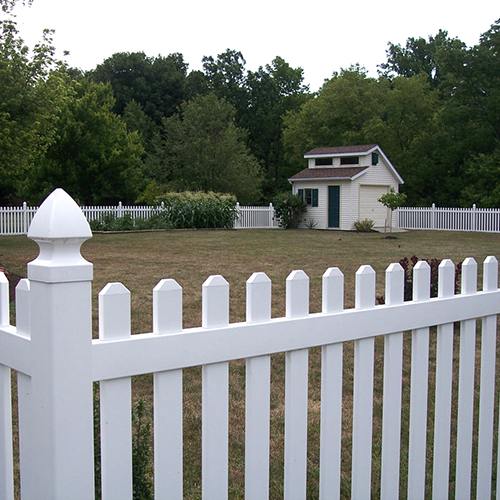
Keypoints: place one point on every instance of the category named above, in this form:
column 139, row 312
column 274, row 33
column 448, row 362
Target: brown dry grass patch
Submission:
column 139, row 261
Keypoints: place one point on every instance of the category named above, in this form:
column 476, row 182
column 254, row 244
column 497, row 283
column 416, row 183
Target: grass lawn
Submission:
column 140, row 260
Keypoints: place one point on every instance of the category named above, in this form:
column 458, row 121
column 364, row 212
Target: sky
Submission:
column 319, row 36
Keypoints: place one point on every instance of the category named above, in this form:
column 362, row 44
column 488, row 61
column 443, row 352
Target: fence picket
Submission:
column 296, row 393
column 466, row 388
column 258, row 394
column 363, row 392
column 331, row 393
column 6, row 451
column 418, row 396
column 393, row 366
column 167, row 319
column 26, row 441
column 444, row 374
column 487, row 387
column 215, row 397
column 115, row 400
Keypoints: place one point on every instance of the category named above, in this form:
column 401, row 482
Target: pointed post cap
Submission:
column 59, row 217
column 59, row 228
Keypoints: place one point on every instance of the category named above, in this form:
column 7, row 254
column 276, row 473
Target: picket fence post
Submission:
column 61, row 341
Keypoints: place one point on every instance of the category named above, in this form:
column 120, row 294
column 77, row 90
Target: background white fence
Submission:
column 255, row 217
column 486, row 220
column 16, row 220
column 57, row 362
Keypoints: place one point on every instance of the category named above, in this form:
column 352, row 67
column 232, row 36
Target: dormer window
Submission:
column 349, row 160
column 323, row 162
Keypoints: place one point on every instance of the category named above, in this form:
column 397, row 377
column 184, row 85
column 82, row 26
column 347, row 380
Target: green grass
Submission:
column 139, row 261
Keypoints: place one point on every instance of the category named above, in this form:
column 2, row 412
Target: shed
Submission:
column 343, row 184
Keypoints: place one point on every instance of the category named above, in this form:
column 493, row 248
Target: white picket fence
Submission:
column 56, row 361
column 486, row 220
column 16, row 220
column 255, row 217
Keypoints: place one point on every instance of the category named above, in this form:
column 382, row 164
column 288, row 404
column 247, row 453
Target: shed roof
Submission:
column 340, row 150
column 329, row 173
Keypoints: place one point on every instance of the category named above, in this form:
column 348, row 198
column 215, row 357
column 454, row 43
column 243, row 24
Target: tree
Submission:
column 420, row 56
column 392, row 200
column 156, row 83
column 93, row 157
column 483, row 188
column 272, row 92
column 226, row 79
column 206, row 151
column 32, row 90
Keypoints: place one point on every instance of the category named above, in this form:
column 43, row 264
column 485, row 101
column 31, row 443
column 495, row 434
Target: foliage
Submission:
column 178, row 211
column 483, row 188
column 155, row 83
column 392, row 200
column 273, row 91
column 364, row 226
column 200, row 210
column 93, row 157
column 311, row 224
column 289, row 209
column 32, row 91
column 206, row 151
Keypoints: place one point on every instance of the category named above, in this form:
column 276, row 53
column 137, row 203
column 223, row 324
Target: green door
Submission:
column 334, row 206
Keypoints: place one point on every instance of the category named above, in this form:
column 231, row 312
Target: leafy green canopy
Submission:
column 206, row 151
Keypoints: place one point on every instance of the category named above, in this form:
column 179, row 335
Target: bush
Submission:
column 186, row 210
column 289, row 209
column 190, row 210
column 364, row 226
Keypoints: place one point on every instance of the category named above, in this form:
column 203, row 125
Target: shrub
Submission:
column 289, row 209
column 364, row 226
column 190, row 210
column 186, row 210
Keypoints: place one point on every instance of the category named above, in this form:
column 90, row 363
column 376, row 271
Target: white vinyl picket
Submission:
column 418, row 394
column 296, row 393
column 258, row 395
column 363, row 392
column 215, row 396
column 116, row 400
column 57, row 362
column 331, row 392
column 393, row 373
column 443, row 399
column 167, row 319
column 466, row 388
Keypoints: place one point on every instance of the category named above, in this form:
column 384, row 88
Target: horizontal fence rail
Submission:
column 16, row 220
column 486, row 220
column 57, row 362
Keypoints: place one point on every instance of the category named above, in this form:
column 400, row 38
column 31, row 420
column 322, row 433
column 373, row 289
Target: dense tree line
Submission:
column 137, row 125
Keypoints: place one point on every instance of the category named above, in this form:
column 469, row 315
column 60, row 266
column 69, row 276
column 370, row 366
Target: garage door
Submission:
column 370, row 208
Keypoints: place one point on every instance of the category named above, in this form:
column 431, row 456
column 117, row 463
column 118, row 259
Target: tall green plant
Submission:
column 289, row 209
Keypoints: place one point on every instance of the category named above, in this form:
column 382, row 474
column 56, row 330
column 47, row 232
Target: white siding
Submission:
column 317, row 214
column 376, row 175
